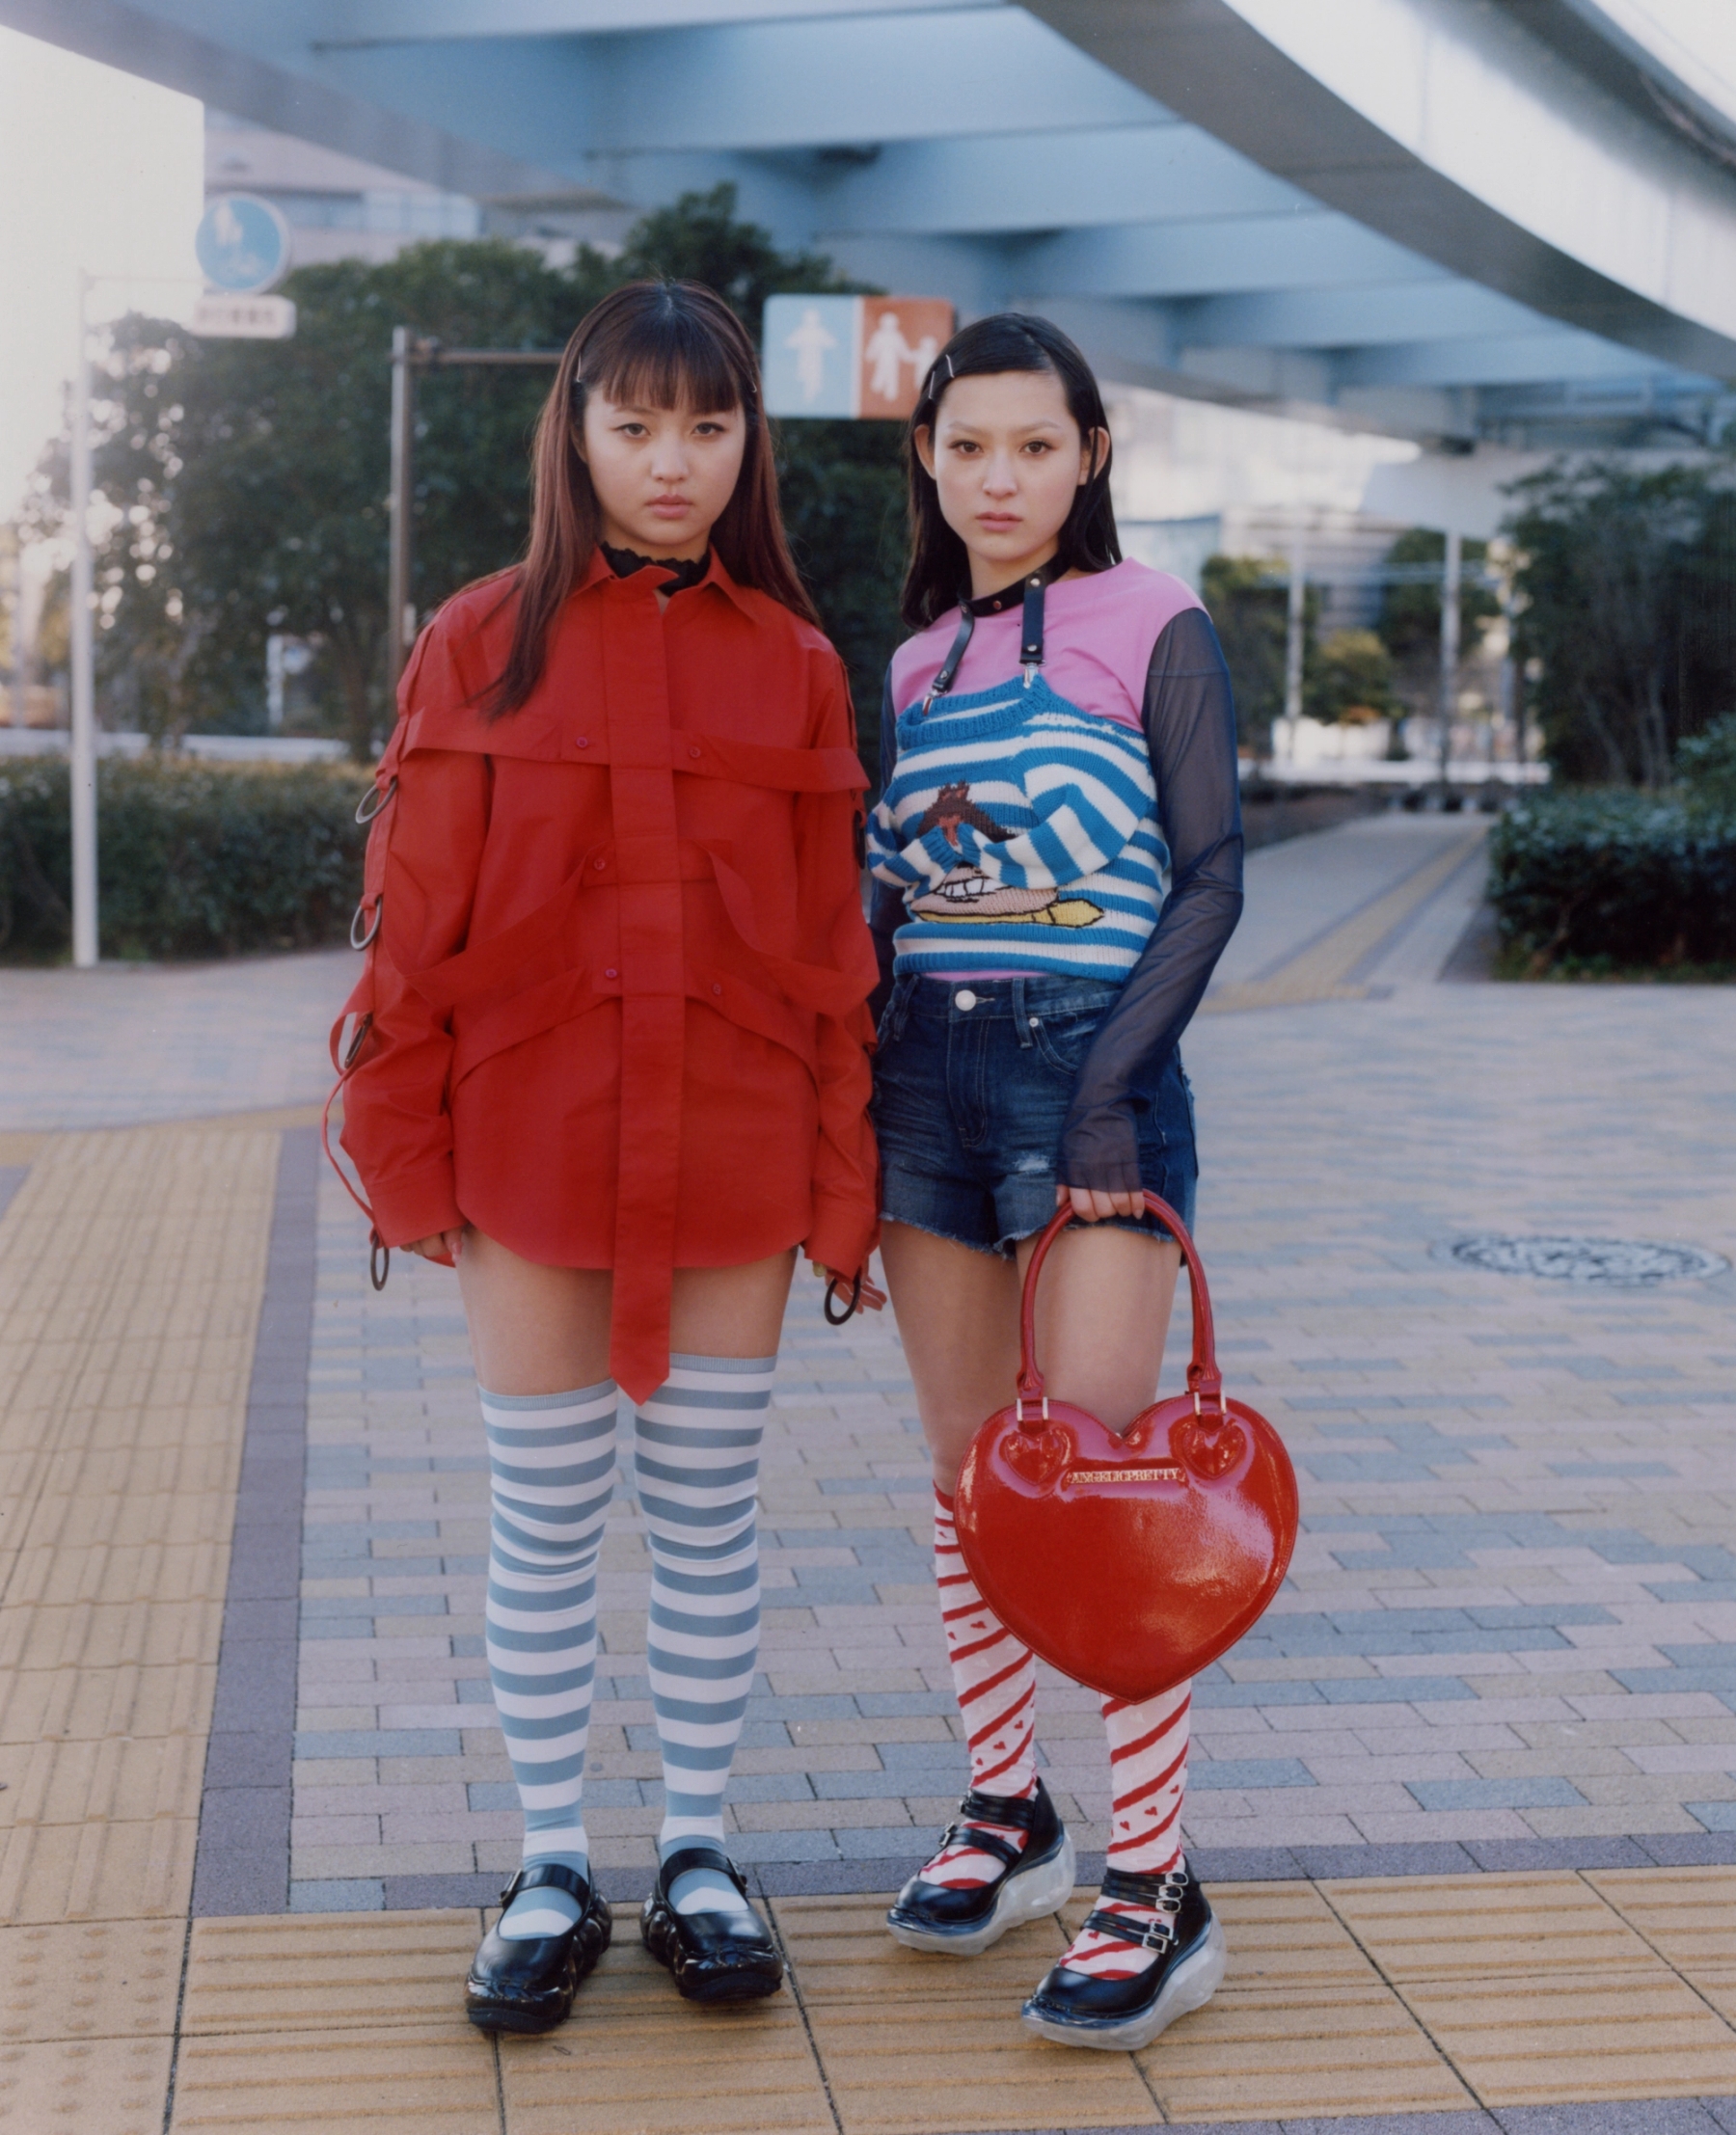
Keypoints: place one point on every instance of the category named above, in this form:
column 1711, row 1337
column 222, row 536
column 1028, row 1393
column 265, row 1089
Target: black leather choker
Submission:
column 1010, row 596
column 688, row 570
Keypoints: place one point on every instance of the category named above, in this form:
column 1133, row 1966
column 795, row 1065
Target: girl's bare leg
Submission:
column 539, row 1330
column 1102, row 1313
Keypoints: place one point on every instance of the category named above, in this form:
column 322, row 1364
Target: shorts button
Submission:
column 965, row 999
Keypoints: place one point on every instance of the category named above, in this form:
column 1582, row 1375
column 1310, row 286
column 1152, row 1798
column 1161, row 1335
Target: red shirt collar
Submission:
column 716, row 574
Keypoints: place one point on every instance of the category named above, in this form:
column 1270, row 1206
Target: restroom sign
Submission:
column 850, row 354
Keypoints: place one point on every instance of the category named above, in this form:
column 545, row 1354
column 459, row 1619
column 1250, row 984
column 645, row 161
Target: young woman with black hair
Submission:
column 610, row 1060
column 1057, row 852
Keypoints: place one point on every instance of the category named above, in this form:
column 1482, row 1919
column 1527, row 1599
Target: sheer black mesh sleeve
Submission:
column 1190, row 730
column 886, row 906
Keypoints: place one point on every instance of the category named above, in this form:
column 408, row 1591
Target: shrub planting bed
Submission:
column 195, row 859
column 1596, row 883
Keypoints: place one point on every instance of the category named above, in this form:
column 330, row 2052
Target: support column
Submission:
column 1450, row 643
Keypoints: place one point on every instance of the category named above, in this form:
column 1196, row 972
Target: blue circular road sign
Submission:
column 243, row 244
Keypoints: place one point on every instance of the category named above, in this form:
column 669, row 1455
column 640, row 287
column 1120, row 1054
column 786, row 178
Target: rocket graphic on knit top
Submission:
column 969, row 895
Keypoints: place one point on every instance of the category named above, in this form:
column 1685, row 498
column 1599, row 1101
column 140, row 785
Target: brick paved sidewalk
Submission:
column 1468, row 1795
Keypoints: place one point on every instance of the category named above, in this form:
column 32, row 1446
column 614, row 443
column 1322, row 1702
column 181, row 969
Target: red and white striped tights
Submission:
column 995, row 1678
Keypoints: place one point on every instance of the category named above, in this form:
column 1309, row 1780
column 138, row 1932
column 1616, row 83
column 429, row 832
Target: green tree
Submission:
column 1626, row 628
column 1410, row 611
column 1351, row 670
column 249, row 478
column 1250, row 607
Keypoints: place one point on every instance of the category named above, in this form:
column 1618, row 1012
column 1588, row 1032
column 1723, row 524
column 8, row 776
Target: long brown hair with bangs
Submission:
column 657, row 344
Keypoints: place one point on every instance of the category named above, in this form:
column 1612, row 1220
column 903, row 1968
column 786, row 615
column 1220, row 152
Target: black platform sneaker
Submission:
column 527, row 1983
column 715, row 1957
column 1120, row 2014
column 1034, row 1880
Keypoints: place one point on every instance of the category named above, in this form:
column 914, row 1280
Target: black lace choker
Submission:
column 1010, row 596
column 688, row 570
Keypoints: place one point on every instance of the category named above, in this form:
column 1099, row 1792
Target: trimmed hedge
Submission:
column 195, row 859
column 1616, row 880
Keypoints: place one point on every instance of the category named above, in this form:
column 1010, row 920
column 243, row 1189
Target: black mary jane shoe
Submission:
column 1034, row 1880
column 715, row 1957
column 1119, row 2015
column 527, row 1985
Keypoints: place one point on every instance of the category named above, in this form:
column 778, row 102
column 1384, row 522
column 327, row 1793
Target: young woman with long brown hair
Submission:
column 614, row 1069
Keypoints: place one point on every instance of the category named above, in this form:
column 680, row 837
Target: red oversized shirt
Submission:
column 619, row 968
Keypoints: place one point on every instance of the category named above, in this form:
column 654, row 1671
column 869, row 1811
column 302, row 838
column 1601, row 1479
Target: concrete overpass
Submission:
column 1510, row 221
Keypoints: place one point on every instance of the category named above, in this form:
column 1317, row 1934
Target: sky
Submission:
column 98, row 169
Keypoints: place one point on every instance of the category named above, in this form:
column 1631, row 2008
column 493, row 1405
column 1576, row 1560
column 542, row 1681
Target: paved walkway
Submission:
column 1498, row 1691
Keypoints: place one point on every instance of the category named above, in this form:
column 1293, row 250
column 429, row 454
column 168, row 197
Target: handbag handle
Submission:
column 1204, row 1380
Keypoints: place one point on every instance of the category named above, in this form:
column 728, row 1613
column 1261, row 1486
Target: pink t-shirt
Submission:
column 1097, row 635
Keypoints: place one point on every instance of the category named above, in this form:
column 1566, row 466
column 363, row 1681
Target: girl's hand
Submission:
column 1091, row 1204
column 871, row 1299
column 441, row 1247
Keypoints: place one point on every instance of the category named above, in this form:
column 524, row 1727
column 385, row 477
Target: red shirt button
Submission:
column 612, row 973
column 584, row 742
column 717, row 989
column 599, row 863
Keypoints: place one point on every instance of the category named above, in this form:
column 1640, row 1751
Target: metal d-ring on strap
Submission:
column 949, row 667
column 379, row 1259
column 379, row 907
column 378, row 796
column 843, row 1318
column 1030, row 640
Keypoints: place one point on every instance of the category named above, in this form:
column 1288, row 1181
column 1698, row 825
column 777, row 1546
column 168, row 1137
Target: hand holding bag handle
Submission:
column 1192, row 1510
column 1204, row 1380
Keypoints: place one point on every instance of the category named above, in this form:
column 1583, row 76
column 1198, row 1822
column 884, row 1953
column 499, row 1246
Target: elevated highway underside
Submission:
column 1441, row 218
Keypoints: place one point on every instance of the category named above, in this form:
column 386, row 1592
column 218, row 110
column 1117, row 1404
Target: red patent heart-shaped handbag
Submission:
column 1127, row 1562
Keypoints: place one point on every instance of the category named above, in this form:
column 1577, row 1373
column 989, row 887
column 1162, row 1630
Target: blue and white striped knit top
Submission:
column 1023, row 834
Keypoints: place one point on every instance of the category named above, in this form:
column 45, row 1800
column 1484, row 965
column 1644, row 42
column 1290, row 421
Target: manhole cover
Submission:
column 1629, row 1262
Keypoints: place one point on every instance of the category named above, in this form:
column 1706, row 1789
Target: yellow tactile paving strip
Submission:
column 1345, row 1999
column 1321, row 971
column 131, row 1269
column 131, row 1272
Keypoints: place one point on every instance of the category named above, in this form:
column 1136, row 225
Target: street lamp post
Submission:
column 1451, row 577
column 84, row 688
column 411, row 352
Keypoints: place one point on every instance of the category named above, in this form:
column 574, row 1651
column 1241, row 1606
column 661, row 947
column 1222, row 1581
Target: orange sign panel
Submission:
column 901, row 338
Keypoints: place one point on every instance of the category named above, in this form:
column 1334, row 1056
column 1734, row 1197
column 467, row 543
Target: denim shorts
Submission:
column 971, row 1085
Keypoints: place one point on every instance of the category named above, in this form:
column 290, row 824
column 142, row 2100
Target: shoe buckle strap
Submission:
column 1156, row 1934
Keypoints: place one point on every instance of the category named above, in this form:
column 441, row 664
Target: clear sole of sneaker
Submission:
column 1035, row 1892
column 1189, row 1987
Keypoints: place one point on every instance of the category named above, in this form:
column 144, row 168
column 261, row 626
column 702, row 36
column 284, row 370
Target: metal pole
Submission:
column 1294, row 644
column 84, row 692
column 400, row 621
column 1450, row 643
column 20, row 670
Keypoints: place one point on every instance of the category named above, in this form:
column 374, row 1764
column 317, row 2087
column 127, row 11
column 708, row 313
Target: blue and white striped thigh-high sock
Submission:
column 696, row 1446
column 551, row 1460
